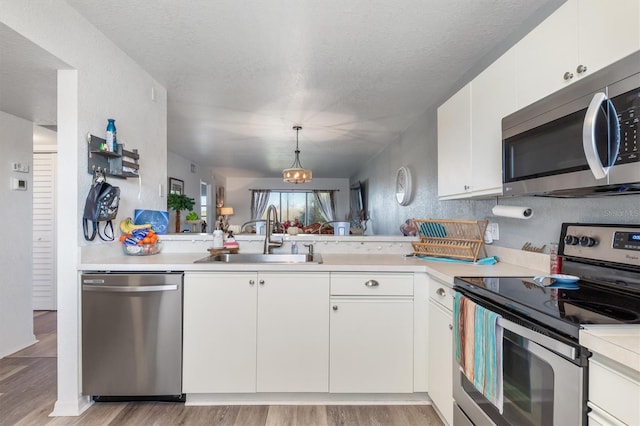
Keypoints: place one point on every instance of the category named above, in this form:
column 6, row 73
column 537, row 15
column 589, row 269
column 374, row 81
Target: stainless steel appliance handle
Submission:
column 129, row 289
column 541, row 339
column 599, row 170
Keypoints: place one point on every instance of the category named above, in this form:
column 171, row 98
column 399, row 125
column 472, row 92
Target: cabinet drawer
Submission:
column 376, row 284
column 614, row 392
column 441, row 293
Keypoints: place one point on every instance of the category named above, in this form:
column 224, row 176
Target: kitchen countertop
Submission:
column 620, row 343
column 443, row 271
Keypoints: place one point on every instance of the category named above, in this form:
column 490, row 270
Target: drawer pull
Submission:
column 335, row 307
column 372, row 283
column 450, row 327
column 441, row 292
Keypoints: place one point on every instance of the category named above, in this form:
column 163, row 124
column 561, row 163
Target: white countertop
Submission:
column 621, row 343
column 443, row 271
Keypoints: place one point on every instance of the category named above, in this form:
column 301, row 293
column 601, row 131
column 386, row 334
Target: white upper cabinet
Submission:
column 493, row 96
column 548, row 55
column 581, row 37
column 454, row 145
column 470, row 133
column 607, row 31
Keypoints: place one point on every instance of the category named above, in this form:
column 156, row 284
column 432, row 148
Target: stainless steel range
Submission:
column 544, row 367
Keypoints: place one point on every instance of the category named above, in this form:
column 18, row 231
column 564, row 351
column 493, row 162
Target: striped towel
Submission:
column 478, row 347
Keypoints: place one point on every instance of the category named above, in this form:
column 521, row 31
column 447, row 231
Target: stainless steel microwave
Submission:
column 579, row 141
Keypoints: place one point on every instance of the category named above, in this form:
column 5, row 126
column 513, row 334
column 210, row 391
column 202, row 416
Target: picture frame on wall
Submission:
column 176, row 186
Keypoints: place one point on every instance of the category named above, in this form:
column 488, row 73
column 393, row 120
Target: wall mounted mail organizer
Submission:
column 120, row 164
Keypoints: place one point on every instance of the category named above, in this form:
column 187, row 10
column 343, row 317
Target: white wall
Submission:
column 238, row 196
column 179, row 167
column 106, row 84
column 16, row 319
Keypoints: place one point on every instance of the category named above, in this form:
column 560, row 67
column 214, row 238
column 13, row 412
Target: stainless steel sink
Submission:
column 261, row 258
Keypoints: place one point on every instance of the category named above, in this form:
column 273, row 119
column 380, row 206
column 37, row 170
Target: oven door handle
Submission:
column 589, row 142
column 545, row 341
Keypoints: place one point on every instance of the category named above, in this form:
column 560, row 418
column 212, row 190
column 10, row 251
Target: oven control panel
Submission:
column 626, row 240
column 606, row 243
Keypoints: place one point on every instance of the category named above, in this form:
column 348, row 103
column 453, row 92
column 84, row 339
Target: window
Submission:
column 295, row 205
column 204, row 203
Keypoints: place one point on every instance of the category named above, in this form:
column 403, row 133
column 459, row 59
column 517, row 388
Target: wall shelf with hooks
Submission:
column 120, row 164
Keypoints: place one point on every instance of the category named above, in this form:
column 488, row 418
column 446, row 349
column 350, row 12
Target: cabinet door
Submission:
column 454, row 144
column 607, row 31
column 219, row 337
column 548, row 52
column 493, row 96
column 371, row 346
column 440, row 364
column 293, row 332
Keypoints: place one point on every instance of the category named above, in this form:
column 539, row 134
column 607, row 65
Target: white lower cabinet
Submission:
column 614, row 393
column 246, row 332
column 371, row 333
column 440, row 358
column 293, row 332
column 219, row 332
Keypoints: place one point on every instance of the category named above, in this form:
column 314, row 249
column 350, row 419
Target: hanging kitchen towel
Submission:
column 478, row 348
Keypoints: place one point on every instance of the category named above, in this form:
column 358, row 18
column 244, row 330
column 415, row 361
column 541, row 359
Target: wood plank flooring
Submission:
column 28, row 393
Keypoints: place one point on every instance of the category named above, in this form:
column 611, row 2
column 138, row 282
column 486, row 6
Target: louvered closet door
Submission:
column 44, row 237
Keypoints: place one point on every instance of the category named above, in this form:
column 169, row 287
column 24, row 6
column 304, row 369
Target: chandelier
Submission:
column 296, row 173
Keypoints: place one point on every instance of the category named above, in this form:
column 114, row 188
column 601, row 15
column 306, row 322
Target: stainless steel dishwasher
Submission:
column 132, row 335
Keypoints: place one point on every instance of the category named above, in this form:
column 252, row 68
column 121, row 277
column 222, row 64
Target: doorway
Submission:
column 44, row 287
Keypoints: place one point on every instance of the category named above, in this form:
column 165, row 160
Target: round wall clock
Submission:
column 403, row 186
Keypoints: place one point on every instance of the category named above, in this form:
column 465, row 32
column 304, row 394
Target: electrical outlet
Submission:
column 494, row 231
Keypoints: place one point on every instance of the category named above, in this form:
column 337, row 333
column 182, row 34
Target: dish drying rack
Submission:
column 457, row 239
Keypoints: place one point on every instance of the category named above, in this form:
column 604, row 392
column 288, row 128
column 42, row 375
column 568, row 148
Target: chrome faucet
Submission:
column 269, row 244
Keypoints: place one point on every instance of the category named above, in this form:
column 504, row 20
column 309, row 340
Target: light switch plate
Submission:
column 20, row 167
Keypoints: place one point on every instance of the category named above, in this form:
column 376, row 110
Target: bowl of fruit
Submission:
column 138, row 240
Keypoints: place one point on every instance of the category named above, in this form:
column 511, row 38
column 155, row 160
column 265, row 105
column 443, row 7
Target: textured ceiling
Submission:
column 355, row 74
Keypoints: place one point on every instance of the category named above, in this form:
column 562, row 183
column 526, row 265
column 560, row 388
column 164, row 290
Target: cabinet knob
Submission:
column 441, row 291
column 450, row 327
column 372, row 283
column 567, row 75
column 261, row 282
column 252, row 282
column 335, row 307
column 581, row 68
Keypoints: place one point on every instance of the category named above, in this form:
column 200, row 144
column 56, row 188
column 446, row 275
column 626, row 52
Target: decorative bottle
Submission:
column 112, row 144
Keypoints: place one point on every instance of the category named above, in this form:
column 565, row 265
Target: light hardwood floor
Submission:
column 28, row 392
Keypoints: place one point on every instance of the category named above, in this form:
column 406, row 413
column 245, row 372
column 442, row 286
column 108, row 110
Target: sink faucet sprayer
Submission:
column 268, row 243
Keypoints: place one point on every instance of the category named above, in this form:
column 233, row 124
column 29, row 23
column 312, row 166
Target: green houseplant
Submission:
column 179, row 202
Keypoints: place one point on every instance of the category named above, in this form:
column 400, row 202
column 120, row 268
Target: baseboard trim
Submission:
column 71, row 408
column 306, row 399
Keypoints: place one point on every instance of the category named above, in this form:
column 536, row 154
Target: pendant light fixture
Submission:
column 296, row 173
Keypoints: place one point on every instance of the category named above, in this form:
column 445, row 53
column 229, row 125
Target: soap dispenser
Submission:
column 294, row 248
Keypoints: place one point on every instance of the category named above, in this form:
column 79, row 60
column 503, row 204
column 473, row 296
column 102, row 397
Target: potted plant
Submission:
column 179, row 202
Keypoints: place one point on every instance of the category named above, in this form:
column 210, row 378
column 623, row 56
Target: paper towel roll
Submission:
column 516, row 212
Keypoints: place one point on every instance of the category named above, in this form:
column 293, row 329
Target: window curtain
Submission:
column 259, row 200
column 326, row 201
